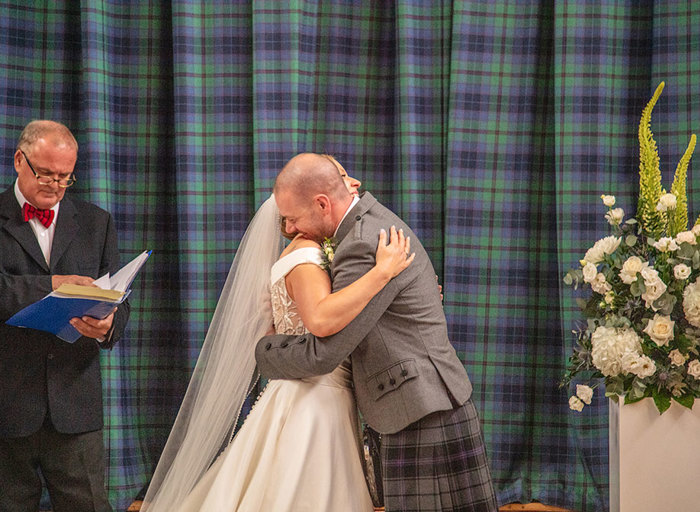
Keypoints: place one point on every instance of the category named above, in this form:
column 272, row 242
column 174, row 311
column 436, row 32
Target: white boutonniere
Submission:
column 328, row 248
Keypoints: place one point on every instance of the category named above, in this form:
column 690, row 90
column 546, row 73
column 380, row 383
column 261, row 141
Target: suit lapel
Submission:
column 66, row 229
column 21, row 231
column 365, row 203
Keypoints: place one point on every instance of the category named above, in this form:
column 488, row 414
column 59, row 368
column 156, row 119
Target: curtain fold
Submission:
column 491, row 127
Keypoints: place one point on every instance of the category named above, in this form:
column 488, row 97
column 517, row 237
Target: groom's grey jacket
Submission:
column 403, row 364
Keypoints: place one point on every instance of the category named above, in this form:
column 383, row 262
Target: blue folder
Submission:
column 52, row 314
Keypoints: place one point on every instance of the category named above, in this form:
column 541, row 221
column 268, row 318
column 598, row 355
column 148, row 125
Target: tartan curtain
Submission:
column 491, row 127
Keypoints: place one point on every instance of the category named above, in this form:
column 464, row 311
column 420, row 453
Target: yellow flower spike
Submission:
column 652, row 221
column 678, row 218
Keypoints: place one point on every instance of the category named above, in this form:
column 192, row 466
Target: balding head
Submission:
column 309, row 174
column 312, row 195
column 55, row 134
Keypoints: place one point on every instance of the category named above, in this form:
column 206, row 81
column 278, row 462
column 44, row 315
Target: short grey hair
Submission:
column 43, row 128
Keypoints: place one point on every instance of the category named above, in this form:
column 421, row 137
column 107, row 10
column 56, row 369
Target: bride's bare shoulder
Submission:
column 299, row 242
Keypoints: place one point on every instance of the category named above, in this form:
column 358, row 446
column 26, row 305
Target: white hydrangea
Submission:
column 609, row 346
column 607, row 245
column 691, row 303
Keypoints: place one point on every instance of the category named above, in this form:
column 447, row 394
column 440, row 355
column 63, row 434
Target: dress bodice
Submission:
column 286, row 315
column 284, row 310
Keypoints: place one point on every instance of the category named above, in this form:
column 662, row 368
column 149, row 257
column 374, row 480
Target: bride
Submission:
column 298, row 449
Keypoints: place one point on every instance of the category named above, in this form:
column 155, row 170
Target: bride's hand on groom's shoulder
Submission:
column 394, row 257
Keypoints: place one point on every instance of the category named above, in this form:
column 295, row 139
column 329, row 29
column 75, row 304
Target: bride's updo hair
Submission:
column 288, row 236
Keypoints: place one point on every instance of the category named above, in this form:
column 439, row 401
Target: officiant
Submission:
column 51, row 416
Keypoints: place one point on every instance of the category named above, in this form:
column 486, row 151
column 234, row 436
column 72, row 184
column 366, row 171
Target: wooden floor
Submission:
column 513, row 507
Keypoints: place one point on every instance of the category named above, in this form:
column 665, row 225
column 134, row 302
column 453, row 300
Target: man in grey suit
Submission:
column 410, row 385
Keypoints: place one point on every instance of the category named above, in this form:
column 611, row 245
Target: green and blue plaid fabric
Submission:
column 491, row 127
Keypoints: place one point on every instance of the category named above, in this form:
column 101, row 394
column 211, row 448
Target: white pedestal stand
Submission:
column 654, row 459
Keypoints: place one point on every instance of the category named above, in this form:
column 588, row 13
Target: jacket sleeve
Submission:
column 18, row 292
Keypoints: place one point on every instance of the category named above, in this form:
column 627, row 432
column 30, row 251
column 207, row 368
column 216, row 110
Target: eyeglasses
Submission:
column 48, row 180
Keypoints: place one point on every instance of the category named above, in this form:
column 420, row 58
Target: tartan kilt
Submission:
column 438, row 464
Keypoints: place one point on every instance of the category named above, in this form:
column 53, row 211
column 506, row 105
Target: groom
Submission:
column 409, row 383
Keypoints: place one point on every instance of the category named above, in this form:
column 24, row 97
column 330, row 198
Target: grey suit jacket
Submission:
column 40, row 374
column 403, row 364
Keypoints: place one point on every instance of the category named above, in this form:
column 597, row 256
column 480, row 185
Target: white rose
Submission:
column 676, row 357
column 630, row 268
column 654, row 290
column 649, row 274
column 647, row 367
column 695, row 229
column 590, row 271
column 600, row 285
column 666, row 244
column 607, row 245
column 615, row 216
column 666, row 202
column 694, row 368
column 608, row 201
column 681, row 271
column 585, row 393
column 687, row 237
column 575, row 404
column 660, row 329
column 691, row 303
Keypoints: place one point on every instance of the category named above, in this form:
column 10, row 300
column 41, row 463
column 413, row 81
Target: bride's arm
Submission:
column 325, row 313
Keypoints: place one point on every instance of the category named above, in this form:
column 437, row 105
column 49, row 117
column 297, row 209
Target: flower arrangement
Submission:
column 328, row 249
column 642, row 334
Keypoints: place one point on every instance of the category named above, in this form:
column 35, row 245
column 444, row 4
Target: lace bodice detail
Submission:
column 284, row 310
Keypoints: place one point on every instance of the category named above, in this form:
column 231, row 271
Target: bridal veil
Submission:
column 225, row 368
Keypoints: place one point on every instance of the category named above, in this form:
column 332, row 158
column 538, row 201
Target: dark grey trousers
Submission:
column 73, row 466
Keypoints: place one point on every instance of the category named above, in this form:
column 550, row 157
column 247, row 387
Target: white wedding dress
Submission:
column 298, row 450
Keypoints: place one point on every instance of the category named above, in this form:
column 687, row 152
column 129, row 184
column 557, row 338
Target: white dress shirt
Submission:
column 355, row 200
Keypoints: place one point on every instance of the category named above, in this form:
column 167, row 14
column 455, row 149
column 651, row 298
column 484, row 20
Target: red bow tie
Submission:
column 43, row 216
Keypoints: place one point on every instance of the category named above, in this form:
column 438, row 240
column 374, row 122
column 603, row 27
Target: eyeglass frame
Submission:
column 70, row 180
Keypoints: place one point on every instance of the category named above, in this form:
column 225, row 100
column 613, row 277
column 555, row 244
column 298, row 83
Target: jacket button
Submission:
column 357, row 217
column 404, row 372
column 284, row 345
column 302, row 341
column 268, row 346
column 392, row 381
column 50, row 356
column 381, row 387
